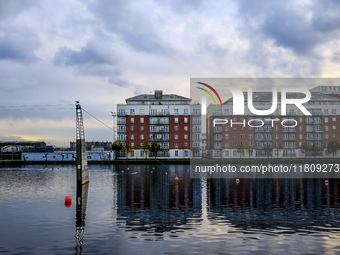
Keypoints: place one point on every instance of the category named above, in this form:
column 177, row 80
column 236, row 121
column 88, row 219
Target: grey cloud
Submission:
column 327, row 19
column 19, row 47
column 91, row 54
column 289, row 27
column 140, row 30
column 184, row 6
column 11, row 8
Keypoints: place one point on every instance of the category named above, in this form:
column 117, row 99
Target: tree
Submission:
column 146, row 147
column 117, row 147
column 267, row 148
column 305, row 148
column 249, row 149
column 316, row 148
column 128, row 148
column 240, row 149
column 333, row 147
column 154, row 148
column 278, row 148
column 195, row 151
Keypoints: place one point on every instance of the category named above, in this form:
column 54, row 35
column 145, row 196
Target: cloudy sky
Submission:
column 100, row 52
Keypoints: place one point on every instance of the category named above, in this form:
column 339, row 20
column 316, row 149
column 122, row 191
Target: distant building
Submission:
column 251, row 135
column 94, row 146
column 328, row 90
column 166, row 119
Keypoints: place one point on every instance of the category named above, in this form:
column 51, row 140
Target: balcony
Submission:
column 160, row 114
column 155, row 139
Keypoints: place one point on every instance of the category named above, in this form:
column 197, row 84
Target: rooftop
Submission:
column 268, row 97
column 157, row 98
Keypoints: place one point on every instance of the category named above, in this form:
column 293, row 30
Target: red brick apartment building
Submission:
column 167, row 119
column 273, row 136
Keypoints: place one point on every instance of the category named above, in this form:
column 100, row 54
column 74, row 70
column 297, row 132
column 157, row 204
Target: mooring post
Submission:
column 81, row 160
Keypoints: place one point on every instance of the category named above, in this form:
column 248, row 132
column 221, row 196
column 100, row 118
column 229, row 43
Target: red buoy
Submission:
column 326, row 182
column 68, row 199
column 176, row 179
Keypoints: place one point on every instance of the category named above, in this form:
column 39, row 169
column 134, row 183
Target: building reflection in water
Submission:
column 150, row 199
column 273, row 203
column 81, row 203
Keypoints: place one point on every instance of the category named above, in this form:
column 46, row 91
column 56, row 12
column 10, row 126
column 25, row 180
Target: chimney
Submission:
column 158, row 94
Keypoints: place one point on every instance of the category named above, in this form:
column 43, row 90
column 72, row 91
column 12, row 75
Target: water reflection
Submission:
column 150, row 199
column 81, row 204
column 302, row 205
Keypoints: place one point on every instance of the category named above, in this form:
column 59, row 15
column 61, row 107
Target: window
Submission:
column 132, row 153
column 226, row 136
column 242, row 135
column 250, row 136
column 132, row 111
column 185, row 119
column 333, row 119
column 132, row 137
column 141, row 111
column 176, row 137
column 176, row 128
column 141, row 128
column 176, row 119
column 325, row 111
column 333, row 111
column 176, row 111
column 326, row 128
column 132, row 120
column 132, row 128
column 176, row 145
column 142, row 136
column 226, row 145
column 186, row 145
column 326, row 120
column 334, row 135
column 234, row 127
column 176, row 153
column 235, row 143
column 185, row 137
column 234, row 136
column 334, row 127
column 121, row 112
column 300, row 120
column 142, row 153
column 141, row 119
column 186, row 111
column 326, row 136
column 185, row 128
column 300, row 136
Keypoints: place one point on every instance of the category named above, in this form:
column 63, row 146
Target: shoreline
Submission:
column 175, row 161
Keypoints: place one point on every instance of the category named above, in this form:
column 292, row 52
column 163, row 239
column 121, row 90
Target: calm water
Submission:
column 143, row 210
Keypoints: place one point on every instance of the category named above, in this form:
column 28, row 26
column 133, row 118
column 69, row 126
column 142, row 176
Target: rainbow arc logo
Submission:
column 209, row 93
